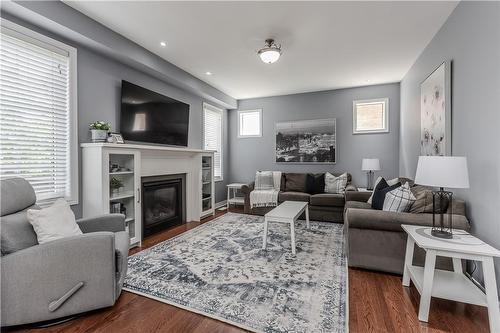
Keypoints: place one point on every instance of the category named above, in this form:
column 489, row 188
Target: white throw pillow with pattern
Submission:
column 399, row 200
column 335, row 184
column 264, row 180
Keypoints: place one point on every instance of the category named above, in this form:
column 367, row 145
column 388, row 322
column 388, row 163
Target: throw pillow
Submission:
column 54, row 222
column 315, row 183
column 423, row 203
column 335, row 184
column 264, row 180
column 295, row 182
column 389, row 182
column 379, row 193
column 399, row 200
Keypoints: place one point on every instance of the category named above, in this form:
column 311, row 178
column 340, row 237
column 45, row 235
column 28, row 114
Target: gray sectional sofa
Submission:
column 376, row 240
column 322, row 206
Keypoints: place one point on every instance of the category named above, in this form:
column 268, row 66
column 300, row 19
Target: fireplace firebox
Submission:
column 163, row 202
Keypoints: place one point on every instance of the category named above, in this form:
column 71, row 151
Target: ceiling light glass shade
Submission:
column 271, row 53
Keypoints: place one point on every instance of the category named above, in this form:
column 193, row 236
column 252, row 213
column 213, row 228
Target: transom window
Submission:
column 213, row 136
column 371, row 116
column 249, row 123
column 38, row 130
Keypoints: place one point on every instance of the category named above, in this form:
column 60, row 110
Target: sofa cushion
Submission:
column 423, row 203
column 16, row 194
column 294, row 196
column 327, row 199
column 379, row 193
column 295, row 182
column 391, row 221
column 17, row 233
column 399, row 200
column 315, row 183
column 335, row 184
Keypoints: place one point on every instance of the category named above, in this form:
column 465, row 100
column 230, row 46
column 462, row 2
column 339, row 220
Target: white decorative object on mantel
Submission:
column 454, row 285
column 141, row 161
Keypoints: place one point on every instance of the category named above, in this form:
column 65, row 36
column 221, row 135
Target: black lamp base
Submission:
column 441, row 233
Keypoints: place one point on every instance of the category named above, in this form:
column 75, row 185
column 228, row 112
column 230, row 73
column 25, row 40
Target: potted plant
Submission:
column 99, row 130
column 115, row 184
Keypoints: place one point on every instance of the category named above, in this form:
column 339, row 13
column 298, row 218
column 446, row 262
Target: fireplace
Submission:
column 163, row 202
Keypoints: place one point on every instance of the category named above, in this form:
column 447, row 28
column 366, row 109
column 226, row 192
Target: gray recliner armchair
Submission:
column 60, row 278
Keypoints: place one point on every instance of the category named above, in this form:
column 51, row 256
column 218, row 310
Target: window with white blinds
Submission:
column 212, row 135
column 38, row 112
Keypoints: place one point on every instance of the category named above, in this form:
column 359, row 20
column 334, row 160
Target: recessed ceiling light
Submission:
column 208, row 73
column 163, row 44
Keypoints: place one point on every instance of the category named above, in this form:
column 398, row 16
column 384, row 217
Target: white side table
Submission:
column 232, row 199
column 455, row 285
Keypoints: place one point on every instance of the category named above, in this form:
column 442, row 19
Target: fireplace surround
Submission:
column 163, row 202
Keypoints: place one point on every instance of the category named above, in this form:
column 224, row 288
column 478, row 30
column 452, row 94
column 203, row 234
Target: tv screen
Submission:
column 147, row 116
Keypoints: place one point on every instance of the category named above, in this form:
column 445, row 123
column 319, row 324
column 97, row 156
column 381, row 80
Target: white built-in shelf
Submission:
column 129, row 219
column 121, row 173
column 122, row 195
column 206, row 183
column 206, row 198
column 144, row 147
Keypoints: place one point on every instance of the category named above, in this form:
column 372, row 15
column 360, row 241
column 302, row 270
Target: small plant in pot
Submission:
column 99, row 130
column 115, row 184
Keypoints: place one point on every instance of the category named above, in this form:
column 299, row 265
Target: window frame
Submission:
column 355, row 103
column 41, row 40
column 240, row 136
column 221, row 111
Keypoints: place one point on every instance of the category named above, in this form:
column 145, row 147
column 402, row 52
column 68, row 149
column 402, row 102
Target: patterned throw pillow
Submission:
column 399, row 200
column 390, row 182
column 264, row 180
column 335, row 184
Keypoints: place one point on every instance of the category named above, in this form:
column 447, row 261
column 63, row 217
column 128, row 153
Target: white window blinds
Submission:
column 212, row 131
column 35, row 115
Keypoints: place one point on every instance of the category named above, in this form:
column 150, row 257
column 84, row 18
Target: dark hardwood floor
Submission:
column 377, row 303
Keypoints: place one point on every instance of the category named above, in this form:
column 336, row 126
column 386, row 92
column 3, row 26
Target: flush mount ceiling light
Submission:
column 271, row 52
column 163, row 44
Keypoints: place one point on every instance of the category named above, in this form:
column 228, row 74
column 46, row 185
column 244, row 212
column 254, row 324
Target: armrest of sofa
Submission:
column 357, row 196
column 350, row 188
column 392, row 221
column 58, row 279
column 106, row 222
column 246, row 189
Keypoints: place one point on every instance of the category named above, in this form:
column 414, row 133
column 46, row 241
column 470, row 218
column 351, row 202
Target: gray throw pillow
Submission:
column 399, row 200
column 335, row 184
column 264, row 180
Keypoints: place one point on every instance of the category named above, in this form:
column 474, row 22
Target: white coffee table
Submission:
column 454, row 285
column 287, row 212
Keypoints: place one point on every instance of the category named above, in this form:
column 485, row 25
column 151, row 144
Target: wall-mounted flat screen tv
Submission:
column 147, row 116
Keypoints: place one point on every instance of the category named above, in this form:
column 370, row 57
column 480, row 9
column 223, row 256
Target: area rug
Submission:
column 220, row 270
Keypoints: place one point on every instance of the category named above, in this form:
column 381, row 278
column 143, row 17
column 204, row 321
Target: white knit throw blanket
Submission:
column 267, row 197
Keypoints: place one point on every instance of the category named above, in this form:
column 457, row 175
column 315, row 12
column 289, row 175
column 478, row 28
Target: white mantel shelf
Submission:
column 145, row 147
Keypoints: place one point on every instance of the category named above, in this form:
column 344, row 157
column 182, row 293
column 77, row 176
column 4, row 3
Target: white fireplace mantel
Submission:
column 150, row 160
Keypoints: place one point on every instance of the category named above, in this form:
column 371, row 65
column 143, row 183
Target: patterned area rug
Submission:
column 219, row 270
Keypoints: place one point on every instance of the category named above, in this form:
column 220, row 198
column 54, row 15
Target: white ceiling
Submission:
column 326, row 45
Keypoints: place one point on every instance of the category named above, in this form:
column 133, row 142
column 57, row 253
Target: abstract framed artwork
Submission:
column 306, row 141
column 435, row 112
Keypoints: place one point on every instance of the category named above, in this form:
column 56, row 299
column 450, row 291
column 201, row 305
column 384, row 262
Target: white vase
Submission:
column 99, row 135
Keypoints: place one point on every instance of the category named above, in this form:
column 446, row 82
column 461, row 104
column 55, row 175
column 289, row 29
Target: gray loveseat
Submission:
column 376, row 240
column 327, row 207
column 60, row 278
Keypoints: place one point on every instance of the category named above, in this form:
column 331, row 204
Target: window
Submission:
column 370, row 116
column 212, row 136
column 249, row 123
column 38, row 130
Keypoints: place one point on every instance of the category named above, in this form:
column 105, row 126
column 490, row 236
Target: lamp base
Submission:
column 441, row 233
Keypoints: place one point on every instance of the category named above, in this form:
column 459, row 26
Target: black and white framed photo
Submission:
column 435, row 112
column 115, row 138
column 306, row 141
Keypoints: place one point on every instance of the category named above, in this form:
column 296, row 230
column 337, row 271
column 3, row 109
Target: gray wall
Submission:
column 251, row 154
column 99, row 86
column 471, row 39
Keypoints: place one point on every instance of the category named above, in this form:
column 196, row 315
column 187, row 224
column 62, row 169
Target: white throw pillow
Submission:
column 54, row 222
column 399, row 200
column 389, row 182
column 335, row 184
column 264, row 180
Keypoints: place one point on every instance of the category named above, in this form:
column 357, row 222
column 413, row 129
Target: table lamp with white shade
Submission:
column 442, row 171
column 370, row 165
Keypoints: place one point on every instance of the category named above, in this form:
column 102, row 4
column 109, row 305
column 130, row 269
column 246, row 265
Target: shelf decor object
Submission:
column 442, row 172
column 370, row 165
